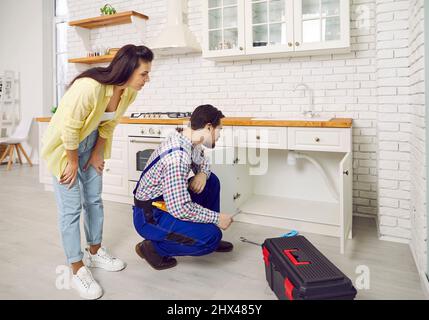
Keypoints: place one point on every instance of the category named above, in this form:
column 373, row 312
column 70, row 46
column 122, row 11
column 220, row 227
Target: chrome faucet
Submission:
column 310, row 111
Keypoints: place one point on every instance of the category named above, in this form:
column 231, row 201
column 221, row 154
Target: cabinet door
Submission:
column 222, row 164
column 115, row 172
column 270, row 26
column 346, row 198
column 223, row 28
column 321, row 24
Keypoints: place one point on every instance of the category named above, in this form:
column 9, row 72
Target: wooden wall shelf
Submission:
column 92, row 60
column 107, row 20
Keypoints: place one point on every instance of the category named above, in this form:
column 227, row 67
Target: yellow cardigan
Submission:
column 78, row 114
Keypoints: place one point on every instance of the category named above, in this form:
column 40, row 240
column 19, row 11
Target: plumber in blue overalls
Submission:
column 177, row 215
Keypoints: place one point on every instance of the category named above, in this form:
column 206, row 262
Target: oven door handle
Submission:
column 145, row 140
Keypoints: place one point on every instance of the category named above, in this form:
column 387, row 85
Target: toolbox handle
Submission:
column 292, row 258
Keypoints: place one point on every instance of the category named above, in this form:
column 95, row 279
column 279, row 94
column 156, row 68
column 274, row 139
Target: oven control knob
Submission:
column 151, row 131
column 143, row 131
column 158, row 131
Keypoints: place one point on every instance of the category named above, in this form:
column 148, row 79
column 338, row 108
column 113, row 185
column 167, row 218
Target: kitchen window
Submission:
column 60, row 47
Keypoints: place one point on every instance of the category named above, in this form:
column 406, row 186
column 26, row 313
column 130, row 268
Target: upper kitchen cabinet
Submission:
column 250, row 29
column 224, row 25
column 321, row 25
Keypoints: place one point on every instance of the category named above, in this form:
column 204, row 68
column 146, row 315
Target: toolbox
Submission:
column 296, row 270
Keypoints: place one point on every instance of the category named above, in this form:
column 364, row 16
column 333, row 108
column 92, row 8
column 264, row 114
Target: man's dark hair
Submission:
column 205, row 114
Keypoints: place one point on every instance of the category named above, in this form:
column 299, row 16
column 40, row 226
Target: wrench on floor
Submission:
column 243, row 239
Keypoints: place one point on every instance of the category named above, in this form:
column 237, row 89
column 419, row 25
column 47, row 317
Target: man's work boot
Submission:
column 224, row 246
column 146, row 251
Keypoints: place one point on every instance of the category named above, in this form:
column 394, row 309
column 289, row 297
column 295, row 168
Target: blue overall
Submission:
column 173, row 237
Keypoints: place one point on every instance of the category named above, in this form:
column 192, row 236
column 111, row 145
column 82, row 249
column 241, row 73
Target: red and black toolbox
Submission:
column 296, row 270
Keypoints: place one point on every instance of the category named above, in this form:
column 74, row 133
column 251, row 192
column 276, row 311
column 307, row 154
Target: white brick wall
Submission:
column 393, row 121
column 371, row 84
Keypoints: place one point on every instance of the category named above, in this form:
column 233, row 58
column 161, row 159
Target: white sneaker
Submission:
column 103, row 260
column 85, row 284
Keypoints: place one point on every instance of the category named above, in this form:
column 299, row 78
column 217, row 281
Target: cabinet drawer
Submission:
column 261, row 137
column 320, row 139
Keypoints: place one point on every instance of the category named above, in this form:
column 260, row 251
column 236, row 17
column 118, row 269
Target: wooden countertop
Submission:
column 244, row 121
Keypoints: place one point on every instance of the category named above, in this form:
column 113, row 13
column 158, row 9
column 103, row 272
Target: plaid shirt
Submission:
column 169, row 178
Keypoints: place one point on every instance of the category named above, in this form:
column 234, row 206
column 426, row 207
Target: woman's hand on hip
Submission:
column 97, row 161
column 70, row 174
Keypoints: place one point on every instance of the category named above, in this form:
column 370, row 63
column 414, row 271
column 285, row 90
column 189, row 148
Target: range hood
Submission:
column 176, row 38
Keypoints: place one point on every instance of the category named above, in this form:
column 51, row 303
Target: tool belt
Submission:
column 147, row 209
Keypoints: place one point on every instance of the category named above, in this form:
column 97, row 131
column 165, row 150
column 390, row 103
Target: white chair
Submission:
column 14, row 142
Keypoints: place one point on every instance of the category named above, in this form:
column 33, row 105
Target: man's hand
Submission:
column 198, row 182
column 97, row 161
column 225, row 221
column 70, row 174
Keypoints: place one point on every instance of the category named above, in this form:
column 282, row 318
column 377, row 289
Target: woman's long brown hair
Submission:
column 126, row 60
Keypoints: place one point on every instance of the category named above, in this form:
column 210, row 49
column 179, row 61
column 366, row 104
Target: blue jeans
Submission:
column 173, row 237
column 86, row 193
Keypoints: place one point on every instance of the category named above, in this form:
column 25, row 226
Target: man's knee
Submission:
column 213, row 182
column 214, row 235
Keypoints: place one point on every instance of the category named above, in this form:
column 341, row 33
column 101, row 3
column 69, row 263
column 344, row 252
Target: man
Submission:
column 191, row 222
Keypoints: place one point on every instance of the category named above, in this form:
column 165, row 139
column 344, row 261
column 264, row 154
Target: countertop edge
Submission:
column 241, row 121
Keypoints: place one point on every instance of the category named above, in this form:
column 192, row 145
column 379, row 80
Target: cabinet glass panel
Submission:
column 215, row 3
column 230, row 17
column 310, row 9
column 320, row 20
column 269, row 23
column 229, row 3
column 215, row 40
column 260, row 35
column 223, row 24
column 259, row 12
column 230, row 38
column 331, row 29
column 278, row 34
column 330, row 7
column 215, row 19
column 277, row 11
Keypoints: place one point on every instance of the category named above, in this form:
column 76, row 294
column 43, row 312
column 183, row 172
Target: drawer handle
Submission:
column 346, row 172
column 317, row 139
column 258, row 137
column 107, row 170
column 290, row 44
column 236, row 196
column 297, row 44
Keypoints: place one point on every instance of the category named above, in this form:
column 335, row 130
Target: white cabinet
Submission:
column 319, row 139
column 115, row 175
column 321, row 24
column 249, row 29
column 224, row 28
column 311, row 194
column 232, row 171
column 261, row 137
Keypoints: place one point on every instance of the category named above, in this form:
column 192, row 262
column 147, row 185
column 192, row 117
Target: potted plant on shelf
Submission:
column 107, row 10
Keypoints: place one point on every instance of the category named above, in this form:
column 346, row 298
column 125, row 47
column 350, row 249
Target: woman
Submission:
column 77, row 141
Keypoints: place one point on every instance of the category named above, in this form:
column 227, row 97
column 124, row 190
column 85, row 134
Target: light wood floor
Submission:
column 30, row 253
